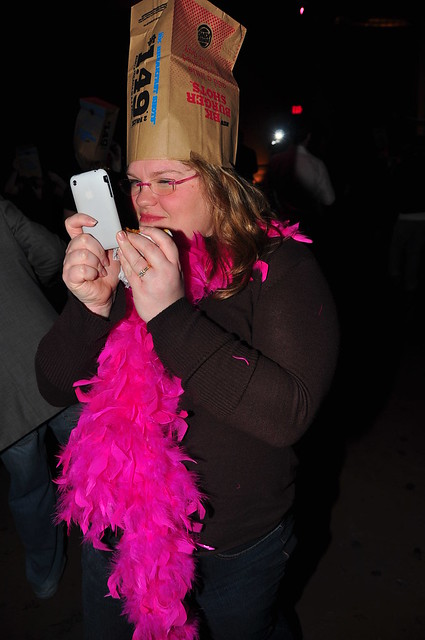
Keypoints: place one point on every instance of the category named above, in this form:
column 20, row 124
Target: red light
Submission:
column 296, row 109
column 301, row 10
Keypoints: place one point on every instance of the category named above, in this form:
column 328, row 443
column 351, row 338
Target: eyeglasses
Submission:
column 160, row 187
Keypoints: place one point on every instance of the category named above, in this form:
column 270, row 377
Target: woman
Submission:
column 233, row 336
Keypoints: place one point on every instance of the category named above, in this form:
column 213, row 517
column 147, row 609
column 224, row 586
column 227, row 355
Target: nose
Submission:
column 145, row 195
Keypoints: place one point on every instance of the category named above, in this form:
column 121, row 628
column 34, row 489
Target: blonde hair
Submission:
column 240, row 219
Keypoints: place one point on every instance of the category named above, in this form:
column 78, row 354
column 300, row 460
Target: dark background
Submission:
column 353, row 74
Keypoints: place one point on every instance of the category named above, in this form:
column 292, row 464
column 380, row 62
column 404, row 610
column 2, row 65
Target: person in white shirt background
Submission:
column 298, row 182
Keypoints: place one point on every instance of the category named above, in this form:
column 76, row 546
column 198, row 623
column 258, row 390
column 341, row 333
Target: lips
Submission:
column 145, row 218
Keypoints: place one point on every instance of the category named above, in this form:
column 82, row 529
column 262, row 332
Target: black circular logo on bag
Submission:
column 204, row 35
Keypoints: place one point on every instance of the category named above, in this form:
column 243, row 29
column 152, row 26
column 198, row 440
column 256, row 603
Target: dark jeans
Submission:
column 239, row 590
column 238, row 593
column 32, row 500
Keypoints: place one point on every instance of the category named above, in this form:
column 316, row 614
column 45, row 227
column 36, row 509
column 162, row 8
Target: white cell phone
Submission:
column 93, row 194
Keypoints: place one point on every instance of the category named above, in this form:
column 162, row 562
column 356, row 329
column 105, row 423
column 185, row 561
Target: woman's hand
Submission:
column 152, row 268
column 88, row 270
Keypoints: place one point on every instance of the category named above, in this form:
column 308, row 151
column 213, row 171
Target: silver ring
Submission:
column 143, row 271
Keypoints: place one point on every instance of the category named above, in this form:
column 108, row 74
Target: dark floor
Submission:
column 359, row 573
column 369, row 583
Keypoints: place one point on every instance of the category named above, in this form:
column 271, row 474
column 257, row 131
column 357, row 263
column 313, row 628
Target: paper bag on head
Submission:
column 93, row 132
column 181, row 93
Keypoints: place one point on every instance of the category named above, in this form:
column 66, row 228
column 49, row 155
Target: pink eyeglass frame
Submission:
column 173, row 182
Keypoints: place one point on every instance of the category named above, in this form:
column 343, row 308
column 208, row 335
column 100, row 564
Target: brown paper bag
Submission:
column 94, row 131
column 181, row 93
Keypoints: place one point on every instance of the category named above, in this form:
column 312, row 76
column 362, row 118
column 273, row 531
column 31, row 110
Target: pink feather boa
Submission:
column 123, row 468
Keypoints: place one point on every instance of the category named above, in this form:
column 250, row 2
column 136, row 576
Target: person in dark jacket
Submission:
column 31, row 259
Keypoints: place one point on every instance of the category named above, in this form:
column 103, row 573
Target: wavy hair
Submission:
column 240, row 216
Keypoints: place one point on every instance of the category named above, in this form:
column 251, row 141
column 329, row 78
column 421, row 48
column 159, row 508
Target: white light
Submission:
column 278, row 136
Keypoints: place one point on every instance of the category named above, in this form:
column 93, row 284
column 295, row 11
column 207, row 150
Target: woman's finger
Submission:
column 84, row 258
column 85, row 243
column 132, row 258
column 74, row 224
column 153, row 244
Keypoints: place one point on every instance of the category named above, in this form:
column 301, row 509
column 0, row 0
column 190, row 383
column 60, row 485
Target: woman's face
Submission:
column 185, row 209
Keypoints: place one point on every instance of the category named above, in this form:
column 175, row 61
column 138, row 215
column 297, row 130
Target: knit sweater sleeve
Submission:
column 271, row 384
column 69, row 351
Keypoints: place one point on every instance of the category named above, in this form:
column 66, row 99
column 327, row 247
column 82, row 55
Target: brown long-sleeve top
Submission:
column 245, row 412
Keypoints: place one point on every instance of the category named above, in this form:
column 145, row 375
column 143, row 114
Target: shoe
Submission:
column 46, row 592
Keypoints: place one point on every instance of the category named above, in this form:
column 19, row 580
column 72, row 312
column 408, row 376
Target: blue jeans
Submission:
column 32, row 500
column 237, row 598
column 102, row 616
column 239, row 590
